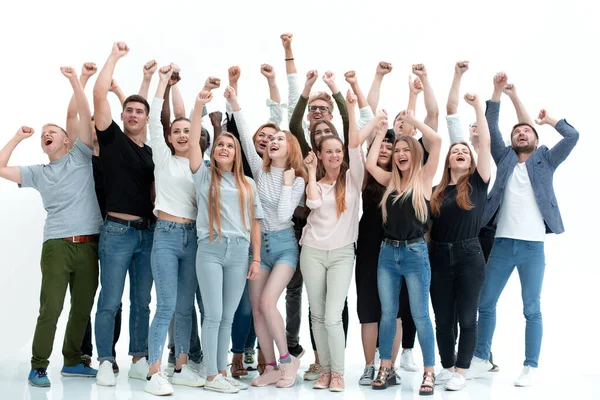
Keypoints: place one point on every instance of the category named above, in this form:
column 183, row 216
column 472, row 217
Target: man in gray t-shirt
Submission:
column 70, row 248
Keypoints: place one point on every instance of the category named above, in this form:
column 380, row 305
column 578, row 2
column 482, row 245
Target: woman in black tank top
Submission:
column 403, row 255
column 457, row 262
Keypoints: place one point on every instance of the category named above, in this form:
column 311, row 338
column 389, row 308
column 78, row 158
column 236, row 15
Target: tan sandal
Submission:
column 428, row 383
column 385, row 378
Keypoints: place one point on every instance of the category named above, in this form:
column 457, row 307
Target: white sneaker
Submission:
column 236, row 383
column 527, row 377
column 187, row 377
column 455, row 383
column 406, row 361
column 376, row 360
column 159, row 385
column 220, row 384
column 478, row 367
column 139, row 370
column 170, row 369
column 105, row 375
column 444, row 376
column 199, row 368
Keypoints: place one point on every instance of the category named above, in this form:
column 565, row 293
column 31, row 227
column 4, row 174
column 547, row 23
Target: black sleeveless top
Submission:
column 402, row 222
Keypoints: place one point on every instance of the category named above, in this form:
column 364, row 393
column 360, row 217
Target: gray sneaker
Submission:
column 367, row 376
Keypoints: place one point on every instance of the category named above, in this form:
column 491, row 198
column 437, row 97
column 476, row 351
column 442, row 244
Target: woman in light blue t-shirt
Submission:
column 227, row 223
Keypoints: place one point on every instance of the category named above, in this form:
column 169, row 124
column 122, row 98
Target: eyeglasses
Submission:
column 321, row 109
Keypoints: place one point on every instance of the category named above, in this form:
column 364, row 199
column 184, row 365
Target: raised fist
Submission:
column 212, row 83
column 471, row 98
column 384, row 68
column 419, row 70
column 150, row 68
column 24, row 132
column 120, row 49
column 203, row 98
column 329, row 78
column 500, row 80
column 311, row 161
column 88, row 69
column 69, row 72
column 311, row 77
column 510, row 89
column 268, row 71
column 230, row 94
column 350, row 77
column 215, row 118
column 415, row 86
column 164, row 73
column 544, row 118
column 351, row 98
column 286, row 40
column 461, row 67
column 234, row 74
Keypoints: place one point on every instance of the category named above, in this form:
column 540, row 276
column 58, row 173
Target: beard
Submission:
column 529, row 148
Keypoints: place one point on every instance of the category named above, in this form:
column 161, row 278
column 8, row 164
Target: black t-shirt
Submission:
column 127, row 173
column 99, row 185
column 455, row 224
column 402, row 222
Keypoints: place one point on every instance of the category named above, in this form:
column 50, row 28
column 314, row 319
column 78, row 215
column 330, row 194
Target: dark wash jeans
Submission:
column 457, row 276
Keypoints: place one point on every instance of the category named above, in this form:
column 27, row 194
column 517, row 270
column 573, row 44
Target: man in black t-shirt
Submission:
column 127, row 233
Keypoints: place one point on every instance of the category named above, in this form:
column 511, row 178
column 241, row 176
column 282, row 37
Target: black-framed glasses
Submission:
column 321, row 109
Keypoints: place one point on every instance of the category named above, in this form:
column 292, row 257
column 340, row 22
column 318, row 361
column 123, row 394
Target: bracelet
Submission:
column 257, row 261
column 289, row 59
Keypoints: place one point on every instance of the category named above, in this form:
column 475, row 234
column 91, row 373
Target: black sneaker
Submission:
column 297, row 351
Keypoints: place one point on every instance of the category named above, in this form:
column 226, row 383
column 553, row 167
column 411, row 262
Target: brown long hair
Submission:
column 463, row 187
column 294, row 156
column 414, row 185
column 214, row 191
column 340, row 182
column 334, row 131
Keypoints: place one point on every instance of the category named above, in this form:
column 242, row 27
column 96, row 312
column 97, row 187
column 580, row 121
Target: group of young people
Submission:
column 272, row 210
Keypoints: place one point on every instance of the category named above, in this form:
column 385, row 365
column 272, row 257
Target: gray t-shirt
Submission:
column 231, row 215
column 67, row 189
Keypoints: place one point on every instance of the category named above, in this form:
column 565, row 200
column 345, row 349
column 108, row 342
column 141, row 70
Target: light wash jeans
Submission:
column 222, row 269
column 174, row 270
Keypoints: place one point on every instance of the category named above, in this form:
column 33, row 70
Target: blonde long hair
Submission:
column 214, row 190
column 413, row 185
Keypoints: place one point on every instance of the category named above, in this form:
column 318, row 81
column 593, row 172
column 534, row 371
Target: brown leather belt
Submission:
column 82, row 238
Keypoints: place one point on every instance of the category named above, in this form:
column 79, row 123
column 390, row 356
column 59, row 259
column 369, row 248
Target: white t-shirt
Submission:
column 519, row 216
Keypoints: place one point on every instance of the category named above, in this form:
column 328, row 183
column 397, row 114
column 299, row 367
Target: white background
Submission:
column 548, row 49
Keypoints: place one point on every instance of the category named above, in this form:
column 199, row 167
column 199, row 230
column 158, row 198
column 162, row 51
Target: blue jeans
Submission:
column 174, row 272
column 124, row 249
column 222, row 269
column 242, row 323
column 530, row 261
column 195, row 346
column 409, row 263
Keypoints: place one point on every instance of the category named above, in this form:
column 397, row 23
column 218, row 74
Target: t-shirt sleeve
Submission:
column 425, row 152
column 81, row 153
column 477, row 182
column 455, row 129
column 199, row 176
column 108, row 135
column 258, row 210
column 30, row 175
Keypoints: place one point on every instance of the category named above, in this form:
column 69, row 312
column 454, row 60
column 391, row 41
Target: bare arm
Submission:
column 435, row 145
column 195, row 154
column 431, row 107
column 102, row 113
column 255, row 241
column 313, row 194
column 165, row 113
column 149, row 70
column 368, row 131
column 484, row 155
column 290, row 65
column 178, row 104
column 87, row 71
column 522, row 114
column 383, row 68
column 382, row 176
column 84, row 130
column 116, row 89
column 269, row 73
column 13, row 173
column 459, row 69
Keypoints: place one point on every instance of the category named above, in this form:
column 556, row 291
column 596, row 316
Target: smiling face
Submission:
column 321, row 129
column 402, row 156
column 459, row 157
column 179, row 135
column 54, row 139
column 262, row 138
column 224, row 152
column 523, row 139
column 134, row 117
column 385, row 154
column 278, row 146
column 319, row 109
column 331, row 153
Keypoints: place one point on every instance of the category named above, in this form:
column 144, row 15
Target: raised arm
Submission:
column 274, row 102
column 290, row 70
column 245, row 136
column 83, row 129
column 435, row 142
column 116, row 89
column 88, row 69
column 296, row 121
column 329, row 79
column 365, row 113
column 195, row 154
column 165, row 113
column 102, row 113
column 369, row 131
column 216, row 120
column 13, row 173
column 484, row 155
column 455, row 129
column 414, row 88
column 178, row 104
column 561, row 150
column 286, row 41
column 492, row 113
column 431, row 106
column 522, row 115
column 355, row 158
column 158, row 139
column 149, row 70
column 382, row 176
column 313, row 193
column 383, row 68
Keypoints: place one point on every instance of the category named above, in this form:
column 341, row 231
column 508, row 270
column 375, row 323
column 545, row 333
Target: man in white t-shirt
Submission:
column 523, row 208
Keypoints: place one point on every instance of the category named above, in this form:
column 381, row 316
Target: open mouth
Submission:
column 274, row 147
column 403, row 162
column 223, row 154
column 460, row 158
column 182, row 142
column 48, row 141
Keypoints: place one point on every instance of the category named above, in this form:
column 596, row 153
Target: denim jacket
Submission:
column 540, row 167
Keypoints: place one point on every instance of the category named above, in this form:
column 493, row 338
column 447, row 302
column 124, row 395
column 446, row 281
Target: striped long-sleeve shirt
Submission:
column 278, row 201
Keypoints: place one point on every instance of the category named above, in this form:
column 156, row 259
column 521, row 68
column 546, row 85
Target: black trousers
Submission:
column 86, row 345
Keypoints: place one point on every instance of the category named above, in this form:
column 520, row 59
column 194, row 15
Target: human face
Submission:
column 262, row 139
column 321, row 130
column 332, row 154
column 134, row 117
column 179, row 136
column 319, row 109
column 460, row 158
column 523, row 139
column 385, row 154
column 53, row 139
column 402, row 128
column 278, row 146
column 224, row 153
column 402, row 156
